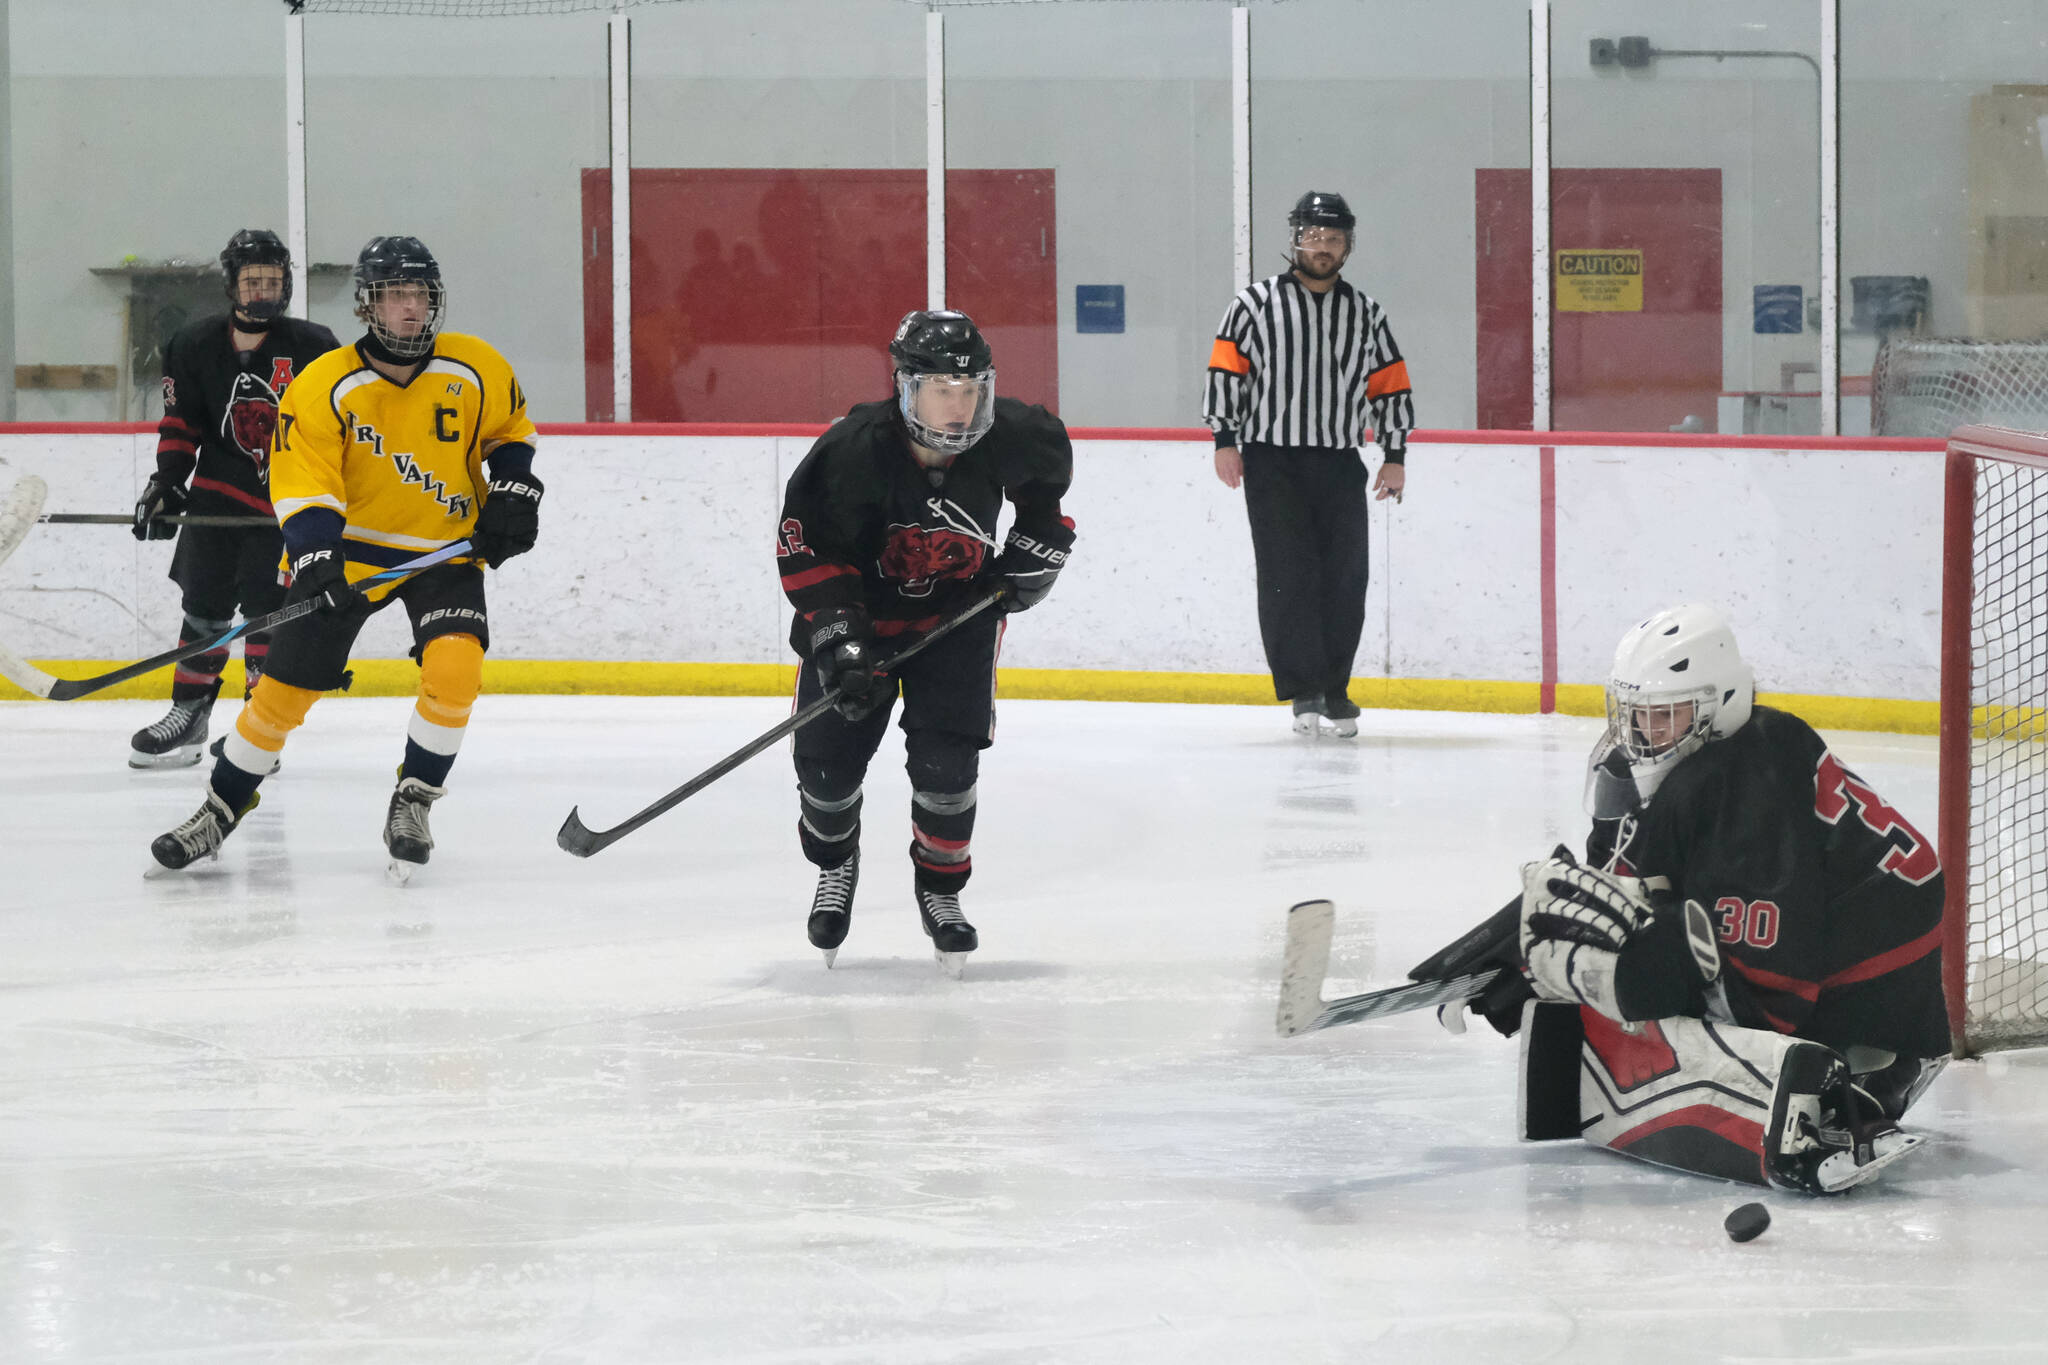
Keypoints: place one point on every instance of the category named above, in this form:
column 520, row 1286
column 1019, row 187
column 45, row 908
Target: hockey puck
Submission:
column 1747, row 1223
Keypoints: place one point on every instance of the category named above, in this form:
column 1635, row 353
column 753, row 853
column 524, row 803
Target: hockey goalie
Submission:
column 1743, row 979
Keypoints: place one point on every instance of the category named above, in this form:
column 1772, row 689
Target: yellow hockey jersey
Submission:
column 403, row 465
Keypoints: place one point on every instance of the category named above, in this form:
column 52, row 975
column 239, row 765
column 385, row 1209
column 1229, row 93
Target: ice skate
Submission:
column 953, row 938
column 1342, row 713
column 219, row 746
column 176, row 740
column 199, row 837
column 832, row 906
column 1308, row 716
column 406, row 835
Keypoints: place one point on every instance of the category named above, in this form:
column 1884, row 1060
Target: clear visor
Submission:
column 947, row 413
column 1647, row 728
column 1316, row 244
column 1611, row 791
column 403, row 315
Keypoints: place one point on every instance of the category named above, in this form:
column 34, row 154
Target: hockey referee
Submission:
column 1299, row 362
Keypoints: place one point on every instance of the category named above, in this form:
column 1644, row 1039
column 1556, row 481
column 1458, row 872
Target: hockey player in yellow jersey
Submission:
column 406, row 442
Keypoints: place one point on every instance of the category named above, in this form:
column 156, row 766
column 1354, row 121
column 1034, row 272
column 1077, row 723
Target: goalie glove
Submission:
column 1575, row 923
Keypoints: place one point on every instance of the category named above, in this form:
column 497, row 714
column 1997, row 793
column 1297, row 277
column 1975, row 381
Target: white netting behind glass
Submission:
column 1926, row 386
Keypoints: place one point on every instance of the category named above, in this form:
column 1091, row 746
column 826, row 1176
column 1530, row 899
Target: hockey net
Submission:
column 1929, row 386
column 1994, row 738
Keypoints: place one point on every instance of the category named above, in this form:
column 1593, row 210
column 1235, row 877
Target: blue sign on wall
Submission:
column 1780, row 308
column 1098, row 308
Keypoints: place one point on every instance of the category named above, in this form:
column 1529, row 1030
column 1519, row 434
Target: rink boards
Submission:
column 1510, row 563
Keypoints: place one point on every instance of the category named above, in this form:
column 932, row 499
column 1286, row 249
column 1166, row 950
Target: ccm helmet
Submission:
column 1678, row 683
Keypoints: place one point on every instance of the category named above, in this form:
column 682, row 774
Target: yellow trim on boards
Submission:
column 400, row 678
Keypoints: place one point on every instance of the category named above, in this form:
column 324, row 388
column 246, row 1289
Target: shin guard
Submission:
column 451, row 676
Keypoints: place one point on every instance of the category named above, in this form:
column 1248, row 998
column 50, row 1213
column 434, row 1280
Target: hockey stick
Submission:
column 19, row 510
column 123, row 519
column 33, row 680
column 1307, row 960
column 577, row 838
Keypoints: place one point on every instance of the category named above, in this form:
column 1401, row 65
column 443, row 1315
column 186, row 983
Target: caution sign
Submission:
column 1599, row 282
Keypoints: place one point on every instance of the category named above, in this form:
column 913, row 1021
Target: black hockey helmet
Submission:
column 256, row 246
column 389, row 262
column 1322, row 208
column 940, row 342
column 940, row 356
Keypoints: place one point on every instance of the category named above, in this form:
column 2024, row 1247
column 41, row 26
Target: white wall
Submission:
column 657, row 548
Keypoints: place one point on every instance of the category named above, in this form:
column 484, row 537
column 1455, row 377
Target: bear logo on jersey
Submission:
column 918, row 557
column 251, row 419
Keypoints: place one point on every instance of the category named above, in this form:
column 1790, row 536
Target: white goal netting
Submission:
column 1929, row 386
column 1995, row 769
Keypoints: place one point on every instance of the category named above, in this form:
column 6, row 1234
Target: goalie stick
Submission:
column 577, row 838
column 1307, row 960
column 34, row 681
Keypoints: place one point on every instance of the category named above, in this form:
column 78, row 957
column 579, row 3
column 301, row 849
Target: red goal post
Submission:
column 1994, row 738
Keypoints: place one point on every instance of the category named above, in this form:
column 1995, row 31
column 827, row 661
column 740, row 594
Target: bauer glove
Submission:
column 321, row 576
column 509, row 523
column 1031, row 560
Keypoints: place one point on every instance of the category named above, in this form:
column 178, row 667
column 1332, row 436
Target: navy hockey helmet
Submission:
column 256, row 246
column 1320, row 212
column 942, row 361
column 392, row 263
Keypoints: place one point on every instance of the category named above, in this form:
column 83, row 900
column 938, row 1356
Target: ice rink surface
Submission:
column 532, row 1109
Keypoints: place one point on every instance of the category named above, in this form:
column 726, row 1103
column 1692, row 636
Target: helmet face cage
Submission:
column 388, row 264
column 255, row 246
column 917, row 393
column 1652, row 728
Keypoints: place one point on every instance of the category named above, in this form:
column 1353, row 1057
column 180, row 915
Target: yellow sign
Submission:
column 1599, row 282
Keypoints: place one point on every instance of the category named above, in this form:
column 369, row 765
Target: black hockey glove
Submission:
column 841, row 644
column 509, row 523
column 1031, row 560
column 160, row 498
column 321, row 576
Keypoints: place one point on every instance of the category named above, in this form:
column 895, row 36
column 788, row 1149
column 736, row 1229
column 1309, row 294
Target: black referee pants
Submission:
column 1308, row 516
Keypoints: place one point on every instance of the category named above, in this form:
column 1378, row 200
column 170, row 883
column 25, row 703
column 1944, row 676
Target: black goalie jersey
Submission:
column 1827, row 902
column 863, row 522
column 220, row 409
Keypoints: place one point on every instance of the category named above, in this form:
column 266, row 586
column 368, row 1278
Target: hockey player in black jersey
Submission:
column 888, row 528
column 223, row 377
column 1745, row 979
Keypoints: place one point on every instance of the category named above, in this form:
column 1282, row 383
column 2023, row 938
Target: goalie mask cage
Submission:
column 1994, row 738
column 1929, row 386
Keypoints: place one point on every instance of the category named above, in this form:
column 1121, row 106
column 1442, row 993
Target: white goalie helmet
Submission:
column 1678, row 683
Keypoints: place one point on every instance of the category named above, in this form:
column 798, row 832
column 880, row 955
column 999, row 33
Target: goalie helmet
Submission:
column 1678, row 683
column 256, row 246
column 390, row 264
column 945, row 380
column 1320, row 211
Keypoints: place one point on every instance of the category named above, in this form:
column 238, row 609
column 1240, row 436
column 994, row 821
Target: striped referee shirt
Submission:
column 1292, row 367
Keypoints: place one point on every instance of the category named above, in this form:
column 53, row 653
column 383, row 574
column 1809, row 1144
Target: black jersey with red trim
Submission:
column 220, row 408
column 863, row 522
column 1827, row 902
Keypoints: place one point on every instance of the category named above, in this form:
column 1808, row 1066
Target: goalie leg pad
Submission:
column 1739, row 1104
